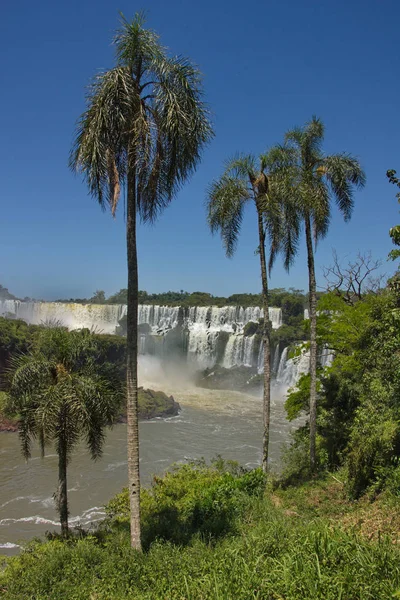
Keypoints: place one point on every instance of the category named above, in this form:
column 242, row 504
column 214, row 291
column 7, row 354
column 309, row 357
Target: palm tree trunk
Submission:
column 62, row 498
column 313, row 343
column 131, row 371
column 266, row 345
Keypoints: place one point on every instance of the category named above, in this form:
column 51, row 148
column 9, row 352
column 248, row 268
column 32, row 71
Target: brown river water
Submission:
column 211, row 422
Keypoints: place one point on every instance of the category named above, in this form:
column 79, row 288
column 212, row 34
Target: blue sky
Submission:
column 268, row 65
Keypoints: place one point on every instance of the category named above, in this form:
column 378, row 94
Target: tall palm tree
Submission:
column 62, row 395
column 144, row 128
column 313, row 181
column 246, row 180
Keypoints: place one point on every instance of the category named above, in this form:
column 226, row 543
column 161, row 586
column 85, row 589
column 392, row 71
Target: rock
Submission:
column 154, row 404
column 7, row 424
column 242, row 379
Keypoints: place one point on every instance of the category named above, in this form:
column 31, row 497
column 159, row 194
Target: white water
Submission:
column 239, row 351
column 211, row 422
column 105, row 317
column 102, row 318
column 203, row 323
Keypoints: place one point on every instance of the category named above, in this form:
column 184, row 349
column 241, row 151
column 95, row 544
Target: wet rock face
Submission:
column 242, row 378
column 154, row 404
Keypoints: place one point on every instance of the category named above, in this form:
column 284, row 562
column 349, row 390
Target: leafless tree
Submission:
column 353, row 281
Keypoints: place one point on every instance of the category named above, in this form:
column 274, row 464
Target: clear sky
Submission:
column 268, row 65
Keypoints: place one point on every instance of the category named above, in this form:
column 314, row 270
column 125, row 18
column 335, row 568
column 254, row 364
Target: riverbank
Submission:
column 216, row 533
column 8, row 425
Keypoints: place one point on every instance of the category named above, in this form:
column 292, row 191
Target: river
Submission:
column 211, row 422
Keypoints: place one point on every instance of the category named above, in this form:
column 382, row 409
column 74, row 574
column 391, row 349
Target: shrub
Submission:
column 191, row 499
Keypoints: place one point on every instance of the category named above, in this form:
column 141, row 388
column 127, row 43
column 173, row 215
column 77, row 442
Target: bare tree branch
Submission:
column 354, row 281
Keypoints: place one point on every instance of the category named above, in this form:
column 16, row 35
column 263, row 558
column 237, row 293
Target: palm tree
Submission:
column 312, row 181
column 244, row 180
column 62, row 395
column 144, row 128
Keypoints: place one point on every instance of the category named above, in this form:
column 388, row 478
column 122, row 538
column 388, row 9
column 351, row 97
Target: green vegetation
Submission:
column 248, row 180
column 156, row 404
column 358, row 415
column 310, row 182
column 145, row 127
column 107, row 353
column 16, row 337
column 290, row 300
column 213, row 532
column 61, row 395
column 395, row 231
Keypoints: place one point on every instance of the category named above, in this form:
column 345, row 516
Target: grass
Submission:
column 212, row 533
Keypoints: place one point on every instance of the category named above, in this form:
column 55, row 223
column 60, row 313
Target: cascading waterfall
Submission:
column 275, row 362
column 202, row 329
column 103, row 318
column 239, row 351
column 203, row 324
column 290, row 370
column 282, row 364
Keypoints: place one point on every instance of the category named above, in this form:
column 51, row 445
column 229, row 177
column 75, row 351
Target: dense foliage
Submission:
column 287, row 299
column 395, row 231
column 63, row 394
column 359, row 410
column 211, row 533
column 18, row 338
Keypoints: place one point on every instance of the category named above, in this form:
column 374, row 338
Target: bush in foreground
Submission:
column 261, row 552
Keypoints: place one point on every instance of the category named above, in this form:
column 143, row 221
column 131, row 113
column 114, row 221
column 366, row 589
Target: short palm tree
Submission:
column 312, row 181
column 247, row 180
column 62, row 396
column 144, row 128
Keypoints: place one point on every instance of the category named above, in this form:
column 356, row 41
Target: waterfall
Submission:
column 275, row 362
column 160, row 318
column 260, row 361
column 142, row 344
column 326, row 357
column 248, row 350
column 290, row 370
column 239, row 351
column 103, row 318
column 282, row 364
column 202, row 324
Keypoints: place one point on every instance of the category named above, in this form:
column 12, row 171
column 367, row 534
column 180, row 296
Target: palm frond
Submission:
column 319, row 209
column 313, row 136
column 226, row 200
column 99, row 150
column 146, row 117
column 343, row 172
column 136, row 46
column 295, row 137
column 242, row 167
column 180, row 128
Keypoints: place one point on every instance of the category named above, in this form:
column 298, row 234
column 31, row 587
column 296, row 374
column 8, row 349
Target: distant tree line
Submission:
column 279, row 297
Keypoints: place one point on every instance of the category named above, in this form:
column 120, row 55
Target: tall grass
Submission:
column 259, row 553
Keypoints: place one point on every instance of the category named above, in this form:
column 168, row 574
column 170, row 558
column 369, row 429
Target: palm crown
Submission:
column 63, row 393
column 244, row 180
column 145, row 119
column 314, row 179
column 310, row 181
